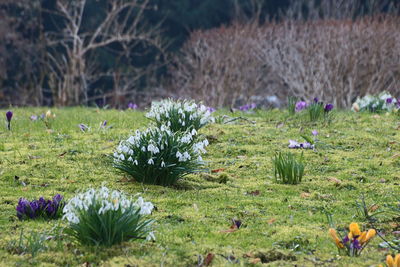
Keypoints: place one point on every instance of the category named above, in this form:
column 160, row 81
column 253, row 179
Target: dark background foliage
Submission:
column 26, row 24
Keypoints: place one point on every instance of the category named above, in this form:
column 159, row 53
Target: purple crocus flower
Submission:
column 23, row 208
column 211, row 109
column 316, row 100
column 248, row 107
column 33, row 118
column 355, row 244
column 300, row 106
column 57, row 198
column 314, row 132
column 9, row 115
column 83, row 127
column 237, row 223
column 244, row 108
column 293, row 144
column 328, row 107
column 306, row 145
column 132, row 105
column 389, row 100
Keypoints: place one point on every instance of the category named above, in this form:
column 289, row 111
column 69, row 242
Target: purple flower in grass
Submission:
column 316, row 100
column 244, row 108
column 39, row 208
column 328, row 107
column 83, row 127
column 211, row 109
column 314, row 132
column 33, row 118
column 248, row 107
column 293, row 144
column 57, row 198
column 9, row 116
column 300, row 106
column 132, row 105
column 389, row 100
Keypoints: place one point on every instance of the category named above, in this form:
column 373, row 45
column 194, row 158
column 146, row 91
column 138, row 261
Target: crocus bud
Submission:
column 9, row 115
column 48, row 114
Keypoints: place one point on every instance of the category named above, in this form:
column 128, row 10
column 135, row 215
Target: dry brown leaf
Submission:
column 334, row 180
column 271, row 221
column 209, row 258
column 374, row 207
column 255, row 261
column 305, row 195
column 218, row 170
column 254, row 193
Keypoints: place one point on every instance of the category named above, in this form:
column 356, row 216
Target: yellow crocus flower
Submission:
column 397, row 260
column 371, row 233
column 362, row 238
column 389, row 261
column 354, row 229
column 335, row 238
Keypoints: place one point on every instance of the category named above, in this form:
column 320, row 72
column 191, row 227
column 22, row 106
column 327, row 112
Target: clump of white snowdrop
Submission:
column 105, row 217
column 180, row 115
column 159, row 155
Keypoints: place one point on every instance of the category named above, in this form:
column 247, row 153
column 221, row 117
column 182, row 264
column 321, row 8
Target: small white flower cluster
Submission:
column 381, row 102
column 104, row 200
column 184, row 113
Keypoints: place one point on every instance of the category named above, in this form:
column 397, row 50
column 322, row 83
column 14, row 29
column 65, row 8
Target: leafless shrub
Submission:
column 220, row 66
column 336, row 60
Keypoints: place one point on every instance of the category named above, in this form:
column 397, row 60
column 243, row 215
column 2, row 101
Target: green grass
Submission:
column 361, row 150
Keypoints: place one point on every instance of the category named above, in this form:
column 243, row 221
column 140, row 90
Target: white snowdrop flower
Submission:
column 199, row 158
column 186, row 155
column 130, row 159
column 150, row 236
column 125, row 149
column 71, row 217
column 116, row 155
column 153, row 149
column 143, row 149
column 162, row 164
column 115, row 194
column 135, row 162
column 205, row 142
column 150, row 162
column 178, row 154
column 194, row 132
column 122, row 157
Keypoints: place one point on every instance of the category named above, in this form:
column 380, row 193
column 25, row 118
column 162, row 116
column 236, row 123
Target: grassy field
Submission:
column 283, row 225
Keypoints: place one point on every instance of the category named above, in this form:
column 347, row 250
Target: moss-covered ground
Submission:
column 282, row 225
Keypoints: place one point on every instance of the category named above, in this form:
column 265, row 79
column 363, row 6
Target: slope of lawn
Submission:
column 283, row 225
